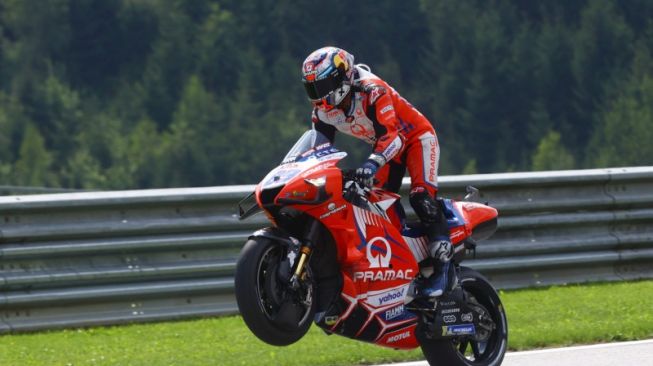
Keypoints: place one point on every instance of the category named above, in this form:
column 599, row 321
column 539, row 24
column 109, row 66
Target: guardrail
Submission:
column 79, row 259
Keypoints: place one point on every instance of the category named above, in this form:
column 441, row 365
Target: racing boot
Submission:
column 431, row 212
column 441, row 251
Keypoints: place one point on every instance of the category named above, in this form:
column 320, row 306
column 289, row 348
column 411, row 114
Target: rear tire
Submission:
column 464, row 351
column 276, row 314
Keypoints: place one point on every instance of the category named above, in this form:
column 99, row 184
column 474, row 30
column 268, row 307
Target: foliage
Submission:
column 626, row 126
column 551, row 155
column 139, row 94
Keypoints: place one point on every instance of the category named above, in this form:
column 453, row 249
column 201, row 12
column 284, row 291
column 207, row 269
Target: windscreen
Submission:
column 310, row 140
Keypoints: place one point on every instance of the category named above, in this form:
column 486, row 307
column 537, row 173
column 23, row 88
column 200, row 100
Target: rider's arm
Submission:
column 381, row 111
column 326, row 129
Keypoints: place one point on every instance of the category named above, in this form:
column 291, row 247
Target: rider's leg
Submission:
column 422, row 161
column 432, row 216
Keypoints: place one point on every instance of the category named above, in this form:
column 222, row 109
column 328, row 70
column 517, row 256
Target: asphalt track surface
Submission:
column 637, row 353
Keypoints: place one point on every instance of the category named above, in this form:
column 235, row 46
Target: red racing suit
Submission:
column 401, row 136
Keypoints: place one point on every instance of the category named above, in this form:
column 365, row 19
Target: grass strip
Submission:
column 536, row 317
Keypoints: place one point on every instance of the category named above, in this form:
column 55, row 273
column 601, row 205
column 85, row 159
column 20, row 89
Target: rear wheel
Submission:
column 274, row 312
column 488, row 346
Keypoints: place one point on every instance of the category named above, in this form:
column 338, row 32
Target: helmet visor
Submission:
column 319, row 89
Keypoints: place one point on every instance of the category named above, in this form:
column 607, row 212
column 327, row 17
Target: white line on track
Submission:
column 607, row 354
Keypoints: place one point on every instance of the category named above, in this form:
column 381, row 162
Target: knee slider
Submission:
column 425, row 206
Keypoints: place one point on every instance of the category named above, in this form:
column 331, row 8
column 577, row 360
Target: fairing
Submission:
column 378, row 258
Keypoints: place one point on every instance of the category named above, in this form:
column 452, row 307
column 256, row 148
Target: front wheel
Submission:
column 466, row 350
column 274, row 312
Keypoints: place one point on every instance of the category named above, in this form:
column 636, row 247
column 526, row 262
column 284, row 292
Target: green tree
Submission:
column 37, row 40
column 140, row 160
column 6, row 128
column 12, row 130
column 602, row 54
column 83, row 171
column 187, row 147
column 99, row 143
column 34, row 162
column 219, row 51
column 58, row 112
column 470, row 167
column 625, row 136
column 553, row 83
column 551, row 154
column 6, row 156
column 170, row 61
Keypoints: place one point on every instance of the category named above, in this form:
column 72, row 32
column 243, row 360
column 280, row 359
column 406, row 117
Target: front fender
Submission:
column 277, row 235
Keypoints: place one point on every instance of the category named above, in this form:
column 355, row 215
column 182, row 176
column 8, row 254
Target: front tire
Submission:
column 464, row 350
column 276, row 314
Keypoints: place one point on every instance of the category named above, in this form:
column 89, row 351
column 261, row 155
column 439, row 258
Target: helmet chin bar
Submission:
column 340, row 94
column 333, row 99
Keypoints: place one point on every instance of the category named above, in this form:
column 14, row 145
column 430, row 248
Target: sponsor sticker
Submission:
column 358, row 129
column 379, row 261
column 392, row 296
column 433, row 158
column 449, row 311
column 449, row 318
column 394, row 313
column 467, row 317
column 379, row 253
column 398, row 337
column 333, row 210
column 296, row 194
column 383, row 275
column 395, row 296
column 334, row 113
column 462, row 329
column 392, row 149
column 386, row 109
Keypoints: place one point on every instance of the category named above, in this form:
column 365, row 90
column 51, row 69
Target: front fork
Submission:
column 305, row 251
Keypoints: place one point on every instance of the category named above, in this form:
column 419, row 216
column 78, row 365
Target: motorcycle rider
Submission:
column 349, row 98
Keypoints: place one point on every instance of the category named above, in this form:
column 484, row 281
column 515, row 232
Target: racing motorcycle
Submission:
column 345, row 257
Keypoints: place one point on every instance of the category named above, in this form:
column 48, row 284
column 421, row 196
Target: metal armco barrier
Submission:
column 79, row 259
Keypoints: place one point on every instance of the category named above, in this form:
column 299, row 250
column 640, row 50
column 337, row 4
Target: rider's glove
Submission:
column 365, row 174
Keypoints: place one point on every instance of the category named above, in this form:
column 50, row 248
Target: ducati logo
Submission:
column 380, row 260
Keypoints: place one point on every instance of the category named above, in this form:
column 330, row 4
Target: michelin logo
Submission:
column 449, row 330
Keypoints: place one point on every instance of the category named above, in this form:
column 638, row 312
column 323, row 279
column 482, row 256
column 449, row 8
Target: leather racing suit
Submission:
column 401, row 137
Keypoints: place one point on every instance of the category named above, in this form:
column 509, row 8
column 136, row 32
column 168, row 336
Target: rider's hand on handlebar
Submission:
column 365, row 174
column 354, row 191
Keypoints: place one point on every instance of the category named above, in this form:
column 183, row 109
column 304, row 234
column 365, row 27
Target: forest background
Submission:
column 121, row 94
